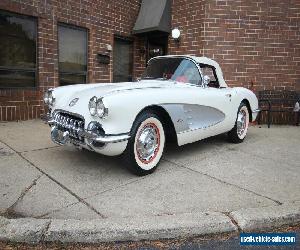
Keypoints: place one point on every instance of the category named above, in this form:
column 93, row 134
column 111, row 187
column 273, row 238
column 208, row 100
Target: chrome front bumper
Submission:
column 105, row 138
column 255, row 114
column 67, row 130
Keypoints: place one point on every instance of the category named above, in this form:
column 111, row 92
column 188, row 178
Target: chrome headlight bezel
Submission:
column 46, row 97
column 97, row 107
column 93, row 106
column 101, row 109
column 49, row 97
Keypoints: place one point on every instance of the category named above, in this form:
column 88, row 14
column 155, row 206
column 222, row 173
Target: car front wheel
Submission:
column 146, row 144
column 239, row 131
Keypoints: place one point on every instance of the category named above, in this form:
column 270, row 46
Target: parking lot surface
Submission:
column 43, row 180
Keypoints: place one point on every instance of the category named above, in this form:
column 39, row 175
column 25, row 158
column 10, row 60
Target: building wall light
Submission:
column 176, row 34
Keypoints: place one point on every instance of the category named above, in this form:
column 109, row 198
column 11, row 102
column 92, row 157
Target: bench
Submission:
column 277, row 101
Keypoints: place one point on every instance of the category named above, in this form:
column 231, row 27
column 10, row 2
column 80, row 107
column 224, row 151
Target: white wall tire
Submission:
column 146, row 145
column 239, row 131
column 242, row 122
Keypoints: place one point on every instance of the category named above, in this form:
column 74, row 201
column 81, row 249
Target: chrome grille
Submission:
column 71, row 123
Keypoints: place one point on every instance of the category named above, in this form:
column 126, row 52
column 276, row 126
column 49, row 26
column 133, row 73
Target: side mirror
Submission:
column 206, row 80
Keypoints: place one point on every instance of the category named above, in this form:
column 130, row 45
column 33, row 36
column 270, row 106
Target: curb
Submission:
column 150, row 228
column 22, row 230
column 263, row 218
column 114, row 229
column 31, row 230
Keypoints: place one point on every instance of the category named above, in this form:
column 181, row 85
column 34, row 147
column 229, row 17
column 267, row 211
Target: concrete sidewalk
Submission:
column 44, row 181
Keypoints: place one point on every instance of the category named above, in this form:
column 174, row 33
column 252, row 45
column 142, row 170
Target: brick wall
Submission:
column 188, row 17
column 254, row 41
column 103, row 19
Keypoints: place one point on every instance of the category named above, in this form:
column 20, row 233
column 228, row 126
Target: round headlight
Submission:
column 101, row 110
column 46, row 97
column 51, row 97
column 93, row 105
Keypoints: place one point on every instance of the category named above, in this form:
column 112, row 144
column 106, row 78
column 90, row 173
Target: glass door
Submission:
column 122, row 60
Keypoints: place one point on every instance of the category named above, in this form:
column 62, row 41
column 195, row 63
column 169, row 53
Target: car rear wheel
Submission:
column 239, row 131
column 146, row 144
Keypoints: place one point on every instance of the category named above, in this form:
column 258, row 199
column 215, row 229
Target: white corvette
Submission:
column 179, row 98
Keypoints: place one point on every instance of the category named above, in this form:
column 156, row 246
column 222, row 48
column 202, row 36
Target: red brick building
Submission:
column 47, row 43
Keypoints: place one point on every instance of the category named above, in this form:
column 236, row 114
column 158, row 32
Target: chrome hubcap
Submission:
column 147, row 143
column 241, row 122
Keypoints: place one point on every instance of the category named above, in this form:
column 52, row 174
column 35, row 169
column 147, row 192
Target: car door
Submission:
column 220, row 98
column 209, row 110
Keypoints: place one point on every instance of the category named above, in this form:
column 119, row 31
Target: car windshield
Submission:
column 176, row 69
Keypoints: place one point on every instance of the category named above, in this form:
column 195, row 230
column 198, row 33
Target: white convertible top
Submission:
column 207, row 61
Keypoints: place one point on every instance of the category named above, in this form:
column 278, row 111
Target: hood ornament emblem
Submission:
column 73, row 102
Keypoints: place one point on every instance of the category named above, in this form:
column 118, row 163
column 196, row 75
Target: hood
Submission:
column 64, row 95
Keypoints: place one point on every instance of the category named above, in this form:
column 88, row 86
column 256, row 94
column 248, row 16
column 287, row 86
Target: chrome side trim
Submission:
column 191, row 130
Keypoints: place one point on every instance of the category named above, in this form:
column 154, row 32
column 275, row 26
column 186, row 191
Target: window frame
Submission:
column 75, row 27
column 199, row 72
column 26, row 70
column 187, row 58
column 202, row 65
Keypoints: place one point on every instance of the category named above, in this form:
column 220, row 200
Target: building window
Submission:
column 72, row 49
column 123, row 60
column 18, row 35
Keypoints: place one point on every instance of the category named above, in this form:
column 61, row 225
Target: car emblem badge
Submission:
column 73, row 102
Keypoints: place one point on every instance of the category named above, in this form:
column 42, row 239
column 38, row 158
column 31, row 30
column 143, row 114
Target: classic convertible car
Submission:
column 178, row 98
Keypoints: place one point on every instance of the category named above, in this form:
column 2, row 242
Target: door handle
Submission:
column 228, row 95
